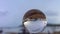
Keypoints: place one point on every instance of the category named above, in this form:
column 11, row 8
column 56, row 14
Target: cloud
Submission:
column 51, row 13
column 3, row 12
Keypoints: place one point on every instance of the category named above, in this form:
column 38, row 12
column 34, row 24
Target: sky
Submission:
column 12, row 11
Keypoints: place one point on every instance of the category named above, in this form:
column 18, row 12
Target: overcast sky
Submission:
column 12, row 11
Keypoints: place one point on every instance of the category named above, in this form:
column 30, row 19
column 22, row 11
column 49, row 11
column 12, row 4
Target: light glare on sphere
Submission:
column 35, row 26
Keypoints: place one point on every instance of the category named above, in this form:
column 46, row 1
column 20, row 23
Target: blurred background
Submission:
column 12, row 11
